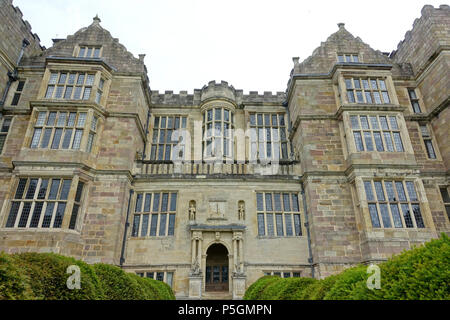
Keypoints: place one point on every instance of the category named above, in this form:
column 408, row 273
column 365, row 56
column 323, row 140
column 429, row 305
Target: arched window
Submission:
column 218, row 125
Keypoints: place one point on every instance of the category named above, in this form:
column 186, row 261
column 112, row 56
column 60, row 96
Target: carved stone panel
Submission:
column 217, row 209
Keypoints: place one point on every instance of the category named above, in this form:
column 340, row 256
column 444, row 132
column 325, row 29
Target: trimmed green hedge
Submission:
column 43, row 276
column 48, row 277
column 420, row 273
column 13, row 284
column 276, row 288
column 255, row 291
column 345, row 283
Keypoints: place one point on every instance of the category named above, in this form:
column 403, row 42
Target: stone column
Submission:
column 193, row 251
column 241, row 258
column 199, row 252
column 235, row 261
column 195, row 276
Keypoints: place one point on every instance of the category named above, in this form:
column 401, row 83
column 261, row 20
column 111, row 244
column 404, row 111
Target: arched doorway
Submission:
column 216, row 273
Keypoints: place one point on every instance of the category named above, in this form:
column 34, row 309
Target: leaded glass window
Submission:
column 372, row 90
column 285, row 207
column 396, row 204
column 154, row 214
column 41, row 203
column 380, row 133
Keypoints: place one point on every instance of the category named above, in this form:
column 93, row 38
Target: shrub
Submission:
column 48, row 278
column 43, row 276
column 272, row 290
column 417, row 274
column 117, row 284
column 255, row 290
column 345, row 283
column 149, row 290
column 322, row 287
column 14, row 285
column 163, row 290
column 294, row 288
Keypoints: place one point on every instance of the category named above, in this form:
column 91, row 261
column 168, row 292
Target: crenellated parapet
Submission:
column 13, row 29
column 216, row 90
column 428, row 36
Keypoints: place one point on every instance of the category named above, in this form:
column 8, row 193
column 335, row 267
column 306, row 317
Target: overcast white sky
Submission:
column 248, row 43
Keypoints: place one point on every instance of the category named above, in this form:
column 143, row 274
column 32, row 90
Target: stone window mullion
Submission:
column 70, row 202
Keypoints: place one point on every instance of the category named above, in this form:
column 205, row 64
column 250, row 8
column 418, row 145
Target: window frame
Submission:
column 210, row 136
column 396, row 201
column 351, row 57
column 417, row 100
column 154, row 275
column 139, row 215
column 275, row 214
column 86, row 48
column 377, row 134
column 369, row 89
column 3, row 133
column 36, row 198
column 155, row 142
column 445, row 201
column 54, row 81
column 258, row 127
column 429, row 138
column 15, row 99
column 292, row 273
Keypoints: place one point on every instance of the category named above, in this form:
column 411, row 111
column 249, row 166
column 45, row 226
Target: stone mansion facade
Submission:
column 210, row 190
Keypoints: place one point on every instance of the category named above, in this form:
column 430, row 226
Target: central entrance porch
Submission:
column 217, row 269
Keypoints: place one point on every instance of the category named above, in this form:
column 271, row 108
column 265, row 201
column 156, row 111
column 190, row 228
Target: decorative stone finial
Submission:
column 295, row 59
column 96, row 19
column 341, row 25
column 141, row 57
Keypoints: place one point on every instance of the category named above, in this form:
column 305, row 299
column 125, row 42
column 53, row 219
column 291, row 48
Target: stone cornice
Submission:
column 74, row 165
column 212, row 228
column 69, row 104
column 345, row 107
column 82, row 104
column 329, row 75
column 430, row 115
column 72, row 60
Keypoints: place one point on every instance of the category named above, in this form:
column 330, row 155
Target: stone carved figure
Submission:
column 192, row 210
column 195, row 268
column 241, row 210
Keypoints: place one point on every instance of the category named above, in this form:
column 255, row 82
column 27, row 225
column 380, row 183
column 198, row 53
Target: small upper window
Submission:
column 18, row 93
column 70, row 86
column 360, row 90
column 89, row 52
column 414, row 101
column 428, row 141
column 348, row 57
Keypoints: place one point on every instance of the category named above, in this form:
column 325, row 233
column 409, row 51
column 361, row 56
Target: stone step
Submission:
column 217, row 296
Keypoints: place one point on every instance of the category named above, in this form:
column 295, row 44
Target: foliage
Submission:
column 44, row 276
column 422, row 273
column 13, row 284
column 257, row 288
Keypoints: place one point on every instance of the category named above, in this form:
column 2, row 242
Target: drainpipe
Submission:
column 13, row 76
column 127, row 224
column 285, row 104
column 308, row 235
column 146, row 134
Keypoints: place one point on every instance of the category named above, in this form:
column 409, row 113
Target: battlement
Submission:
column 217, row 90
column 426, row 36
column 19, row 15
